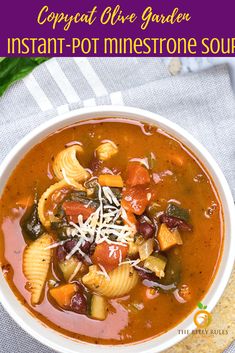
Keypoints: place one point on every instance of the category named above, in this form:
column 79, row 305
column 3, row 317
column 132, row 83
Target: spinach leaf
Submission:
column 31, row 224
column 13, row 69
column 178, row 212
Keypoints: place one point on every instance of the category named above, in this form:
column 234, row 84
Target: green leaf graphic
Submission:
column 200, row 306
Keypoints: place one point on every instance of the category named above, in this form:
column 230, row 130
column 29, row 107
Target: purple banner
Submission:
column 117, row 28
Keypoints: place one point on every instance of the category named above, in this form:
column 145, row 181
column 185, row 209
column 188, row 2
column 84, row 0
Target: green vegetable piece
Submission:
column 32, row 225
column 61, row 229
column 156, row 264
column 117, row 192
column 68, row 268
column 81, row 197
column 178, row 212
column 13, row 69
column 152, row 210
column 172, row 270
column 98, row 308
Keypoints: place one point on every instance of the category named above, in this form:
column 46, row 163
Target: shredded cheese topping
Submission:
column 101, row 224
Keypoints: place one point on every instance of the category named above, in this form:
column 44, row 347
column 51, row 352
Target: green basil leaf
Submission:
column 13, row 69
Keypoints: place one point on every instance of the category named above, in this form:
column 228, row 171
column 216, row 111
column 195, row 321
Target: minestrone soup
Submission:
column 111, row 231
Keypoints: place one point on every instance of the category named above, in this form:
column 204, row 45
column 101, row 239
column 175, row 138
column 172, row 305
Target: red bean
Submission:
column 79, row 303
column 146, row 274
column 146, row 229
column 69, row 245
column 61, row 253
column 85, row 247
column 174, row 222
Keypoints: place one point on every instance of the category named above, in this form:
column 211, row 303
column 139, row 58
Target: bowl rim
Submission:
column 59, row 342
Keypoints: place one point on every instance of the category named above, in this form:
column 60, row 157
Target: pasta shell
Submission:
column 122, row 280
column 36, row 262
column 66, row 165
column 106, row 151
column 43, row 216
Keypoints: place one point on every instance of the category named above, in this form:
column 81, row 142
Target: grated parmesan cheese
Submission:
column 55, row 245
column 101, row 224
column 130, row 262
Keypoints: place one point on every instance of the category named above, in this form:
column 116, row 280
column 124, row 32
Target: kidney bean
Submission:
column 85, row 247
column 79, row 303
column 61, row 253
column 146, row 229
column 92, row 249
column 145, row 274
column 70, row 244
column 174, row 222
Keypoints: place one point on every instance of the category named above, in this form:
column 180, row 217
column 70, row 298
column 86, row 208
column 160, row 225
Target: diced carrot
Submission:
column 73, row 209
column 110, row 180
column 137, row 175
column 135, row 199
column 168, row 238
column 63, row 294
column 109, row 255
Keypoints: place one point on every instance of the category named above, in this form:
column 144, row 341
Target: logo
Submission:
column 202, row 318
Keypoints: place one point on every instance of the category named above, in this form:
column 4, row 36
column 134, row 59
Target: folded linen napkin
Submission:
column 201, row 102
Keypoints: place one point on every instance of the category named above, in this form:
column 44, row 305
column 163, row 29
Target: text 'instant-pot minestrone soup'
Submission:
column 111, row 231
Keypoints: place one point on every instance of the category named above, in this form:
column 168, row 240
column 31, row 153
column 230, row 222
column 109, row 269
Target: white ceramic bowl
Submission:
column 55, row 340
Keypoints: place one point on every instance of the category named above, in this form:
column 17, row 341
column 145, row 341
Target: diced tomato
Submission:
column 109, row 255
column 137, row 175
column 73, row 209
column 135, row 199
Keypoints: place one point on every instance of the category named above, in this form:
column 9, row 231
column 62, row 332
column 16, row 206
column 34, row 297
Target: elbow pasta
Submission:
column 36, row 262
column 122, row 280
column 66, row 165
column 42, row 212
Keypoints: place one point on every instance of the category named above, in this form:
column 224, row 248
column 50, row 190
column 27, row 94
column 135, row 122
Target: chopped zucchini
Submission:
column 99, row 307
column 70, row 268
column 178, row 212
column 172, row 270
column 168, row 238
column 106, row 150
column 133, row 248
column 152, row 210
column 156, row 264
column 146, row 249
